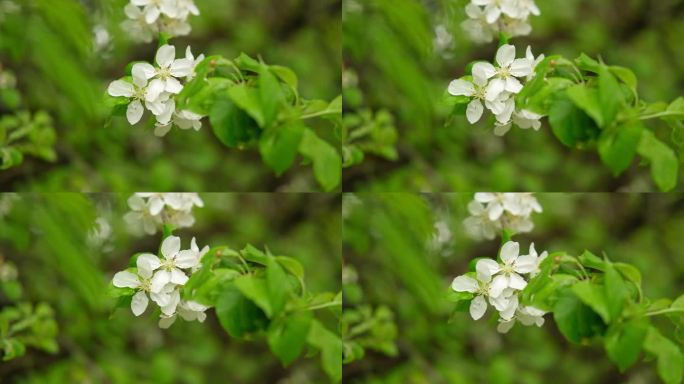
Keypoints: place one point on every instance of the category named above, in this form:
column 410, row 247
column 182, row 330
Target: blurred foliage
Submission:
column 49, row 44
column 46, row 237
column 406, row 52
column 407, row 248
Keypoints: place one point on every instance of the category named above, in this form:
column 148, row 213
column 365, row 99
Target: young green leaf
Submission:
column 249, row 100
column 326, row 160
column 615, row 291
column 237, row 314
column 593, row 296
column 570, row 124
column 587, row 99
column 330, row 345
column 278, row 285
column 287, row 338
column 670, row 358
column 279, row 145
column 617, row 147
column 664, row 163
column 255, row 289
column 270, row 95
column 624, row 341
column 610, row 95
column 576, row 320
column 231, row 124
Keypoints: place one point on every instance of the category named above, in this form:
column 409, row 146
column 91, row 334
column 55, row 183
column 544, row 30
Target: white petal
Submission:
column 513, row 85
column 486, row 268
column 516, row 281
column 492, row 14
column 508, row 108
column 502, row 129
column 166, row 321
column 139, row 303
column 134, row 112
column 478, row 307
column 131, row 11
column 521, row 67
column 464, row 284
column 474, row 111
column 505, row 55
column 483, row 71
column 178, row 277
column 173, row 85
column 170, row 247
column 161, row 298
column 485, row 197
column 121, row 88
column 495, row 211
column 187, row 258
column 154, row 89
column 460, row 87
column 505, row 326
column 160, row 130
column 526, row 264
column 173, row 303
column 160, row 279
column 498, row 285
column 165, row 55
column 494, row 89
column 509, row 312
column 125, row 279
column 143, row 71
column 509, row 252
column 147, row 263
column 151, row 14
column 156, row 107
column 181, row 67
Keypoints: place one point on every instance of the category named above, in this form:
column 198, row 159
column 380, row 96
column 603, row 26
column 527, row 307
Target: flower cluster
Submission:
column 160, row 279
column 150, row 211
column 148, row 18
column 495, row 87
column 487, row 19
column 493, row 212
column 155, row 88
column 499, row 285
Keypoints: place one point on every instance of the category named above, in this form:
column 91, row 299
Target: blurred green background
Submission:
column 44, row 235
column 389, row 239
column 48, row 46
column 392, row 53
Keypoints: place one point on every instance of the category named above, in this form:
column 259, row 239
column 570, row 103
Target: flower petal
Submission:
column 170, row 247
column 521, row 67
column 154, row 89
column 474, row 111
column 187, row 258
column 166, row 321
column 147, row 263
column 126, row 279
column 505, row 55
column 139, row 303
column 478, row 307
column 513, row 85
column 516, row 281
column 119, row 88
column 498, row 285
column 505, row 326
column 165, row 55
column 464, row 284
column 142, row 71
column 173, row 85
column 151, row 14
column 181, row 67
column 134, row 112
column 486, row 268
column 460, row 87
column 509, row 252
column 483, row 71
column 178, row 277
column 494, row 89
column 159, row 280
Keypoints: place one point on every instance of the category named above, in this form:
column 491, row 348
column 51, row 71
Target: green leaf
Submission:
column 618, row 147
column 587, row 99
column 624, row 341
column 286, row 75
column 664, row 163
column 593, row 296
column 330, row 345
column 588, row 64
column 255, row 289
column 678, row 303
column 292, row 265
column 575, row 320
column 278, row 285
column 630, row 272
column 570, row 124
column 279, row 145
column 327, row 162
column 288, row 337
column 270, row 95
column 254, row 255
column 626, row 76
column 590, row 260
column 676, row 108
column 231, row 124
column 670, row 358
column 237, row 314
column 610, row 95
column 616, row 291
column 244, row 62
column 249, row 100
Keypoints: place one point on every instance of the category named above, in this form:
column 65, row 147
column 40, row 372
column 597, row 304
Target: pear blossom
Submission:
column 490, row 213
column 149, row 211
column 488, row 18
column 147, row 18
column 526, row 315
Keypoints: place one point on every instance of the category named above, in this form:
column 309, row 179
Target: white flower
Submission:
column 144, row 216
column 534, row 260
column 488, row 18
column 195, row 61
column 188, row 310
column 154, row 8
column 533, row 61
column 476, row 89
column 479, row 226
column 135, row 91
column 477, row 27
column 493, row 212
column 508, row 274
column 137, row 25
column 506, row 74
column 100, row 233
column 482, row 289
column 182, row 119
column 494, row 8
column 142, row 282
column 101, row 38
column 165, row 77
column 527, row 315
column 524, row 119
column 171, row 264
